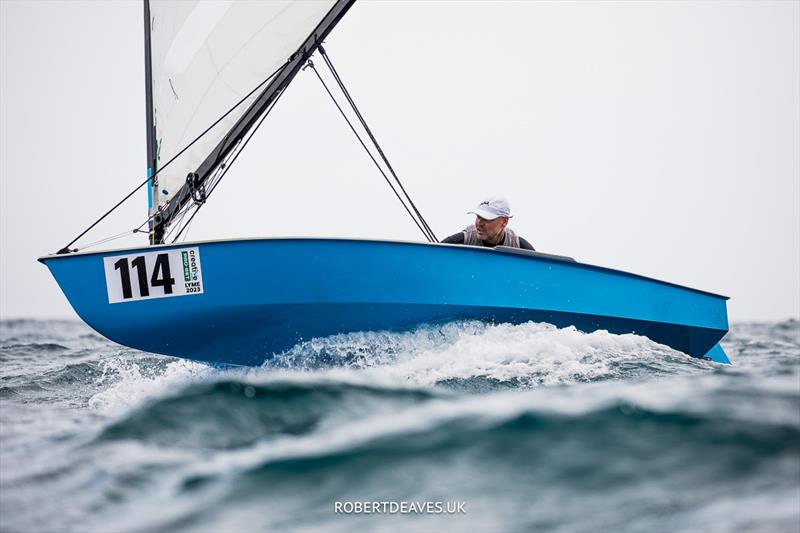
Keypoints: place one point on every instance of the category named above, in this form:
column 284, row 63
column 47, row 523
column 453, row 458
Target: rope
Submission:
column 112, row 238
column 228, row 165
column 202, row 195
column 178, row 219
column 385, row 177
column 429, row 231
column 66, row 249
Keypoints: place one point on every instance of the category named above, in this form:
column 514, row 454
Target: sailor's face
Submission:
column 490, row 230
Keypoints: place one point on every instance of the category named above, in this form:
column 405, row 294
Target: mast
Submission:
column 250, row 117
column 156, row 231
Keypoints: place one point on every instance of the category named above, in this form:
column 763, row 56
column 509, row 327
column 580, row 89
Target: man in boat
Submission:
column 490, row 228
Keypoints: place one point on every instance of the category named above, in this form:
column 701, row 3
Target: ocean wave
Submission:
column 470, row 356
column 521, row 356
column 33, row 347
column 232, row 414
column 132, row 378
column 535, row 427
column 316, row 414
column 593, row 443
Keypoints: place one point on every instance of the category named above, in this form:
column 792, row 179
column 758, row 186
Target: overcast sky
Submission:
column 657, row 138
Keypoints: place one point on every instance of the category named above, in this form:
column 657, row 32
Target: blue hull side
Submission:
column 263, row 296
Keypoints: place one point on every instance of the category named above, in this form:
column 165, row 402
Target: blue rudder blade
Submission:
column 717, row 354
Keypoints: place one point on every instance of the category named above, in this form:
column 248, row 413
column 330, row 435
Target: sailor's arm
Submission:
column 525, row 245
column 456, row 238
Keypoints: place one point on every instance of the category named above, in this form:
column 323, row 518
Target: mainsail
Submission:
column 205, row 57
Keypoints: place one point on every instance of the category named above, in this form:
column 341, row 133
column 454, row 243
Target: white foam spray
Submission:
column 526, row 355
column 128, row 381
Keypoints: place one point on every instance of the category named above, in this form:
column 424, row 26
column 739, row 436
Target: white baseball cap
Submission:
column 492, row 207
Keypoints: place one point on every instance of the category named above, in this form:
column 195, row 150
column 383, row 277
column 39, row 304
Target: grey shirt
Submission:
column 458, row 238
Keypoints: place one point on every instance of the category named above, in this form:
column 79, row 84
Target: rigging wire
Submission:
column 352, row 103
column 188, row 225
column 416, row 216
column 178, row 219
column 243, row 144
column 180, row 214
column 66, row 249
column 428, row 236
column 111, row 238
column 138, row 229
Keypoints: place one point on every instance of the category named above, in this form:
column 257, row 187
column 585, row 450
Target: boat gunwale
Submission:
column 524, row 254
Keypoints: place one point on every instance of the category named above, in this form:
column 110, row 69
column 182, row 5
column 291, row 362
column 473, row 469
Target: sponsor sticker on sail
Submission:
column 149, row 275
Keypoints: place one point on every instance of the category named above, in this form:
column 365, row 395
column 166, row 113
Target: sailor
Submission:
column 490, row 228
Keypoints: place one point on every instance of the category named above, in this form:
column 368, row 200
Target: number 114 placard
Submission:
column 149, row 275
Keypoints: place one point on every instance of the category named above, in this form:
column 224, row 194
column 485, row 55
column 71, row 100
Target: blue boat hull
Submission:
column 261, row 297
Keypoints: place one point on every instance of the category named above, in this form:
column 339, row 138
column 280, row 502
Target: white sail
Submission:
column 206, row 56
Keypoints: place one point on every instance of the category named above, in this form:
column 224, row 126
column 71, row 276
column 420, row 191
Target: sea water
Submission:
column 463, row 426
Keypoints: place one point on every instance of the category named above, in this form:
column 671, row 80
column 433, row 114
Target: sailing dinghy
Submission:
column 214, row 70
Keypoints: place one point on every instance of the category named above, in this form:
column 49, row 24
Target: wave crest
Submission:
column 475, row 354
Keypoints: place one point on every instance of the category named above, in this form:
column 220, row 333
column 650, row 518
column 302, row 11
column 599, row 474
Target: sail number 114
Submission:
column 148, row 275
column 161, row 277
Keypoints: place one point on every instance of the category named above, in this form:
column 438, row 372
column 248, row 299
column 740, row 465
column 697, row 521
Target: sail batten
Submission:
column 206, row 57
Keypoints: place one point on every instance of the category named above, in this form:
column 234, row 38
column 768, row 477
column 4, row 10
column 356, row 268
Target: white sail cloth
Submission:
column 206, row 56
